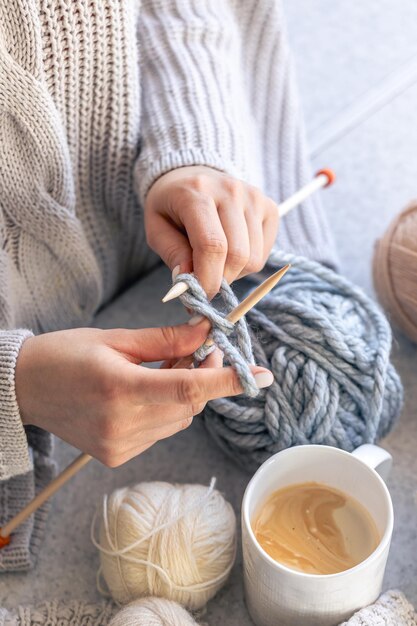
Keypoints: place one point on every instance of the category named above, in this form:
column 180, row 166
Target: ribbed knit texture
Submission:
column 99, row 98
column 14, row 453
column 55, row 613
column 16, row 462
column 227, row 64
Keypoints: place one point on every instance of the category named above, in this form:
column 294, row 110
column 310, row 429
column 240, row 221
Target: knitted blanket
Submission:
column 392, row 609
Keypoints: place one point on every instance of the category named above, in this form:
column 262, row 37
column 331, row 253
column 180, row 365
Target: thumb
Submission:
column 167, row 240
column 156, row 344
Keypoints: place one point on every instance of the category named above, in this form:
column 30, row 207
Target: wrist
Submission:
column 24, row 365
column 149, row 170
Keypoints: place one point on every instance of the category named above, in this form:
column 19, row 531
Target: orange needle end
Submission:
column 331, row 176
column 4, row 541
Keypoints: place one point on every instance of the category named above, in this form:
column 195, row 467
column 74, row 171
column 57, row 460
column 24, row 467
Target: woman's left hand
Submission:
column 204, row 221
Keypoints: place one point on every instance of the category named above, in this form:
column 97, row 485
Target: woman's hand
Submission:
column 88, row 387
column 204, row 221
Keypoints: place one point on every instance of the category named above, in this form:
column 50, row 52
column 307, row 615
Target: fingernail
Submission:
column 175, row 271
column 264, row 379
column 195, row 319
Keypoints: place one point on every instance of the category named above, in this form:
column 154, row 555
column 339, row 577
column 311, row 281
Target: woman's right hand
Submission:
column 89, row 387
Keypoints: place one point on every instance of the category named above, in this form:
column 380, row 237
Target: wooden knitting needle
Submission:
column 323, row 178
column 44, row 495
column 249, row 302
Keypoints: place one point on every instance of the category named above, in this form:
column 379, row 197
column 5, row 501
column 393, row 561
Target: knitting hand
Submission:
column 201, row 220
column 88, row 386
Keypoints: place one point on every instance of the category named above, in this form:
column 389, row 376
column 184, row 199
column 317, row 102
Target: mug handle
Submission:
column 375, row 457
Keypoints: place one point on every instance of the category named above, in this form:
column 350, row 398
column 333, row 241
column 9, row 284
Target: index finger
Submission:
column 187, row 386
column 208, row 242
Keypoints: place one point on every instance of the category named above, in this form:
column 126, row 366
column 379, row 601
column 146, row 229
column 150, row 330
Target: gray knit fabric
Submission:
column 97, row 100
column 237, row 352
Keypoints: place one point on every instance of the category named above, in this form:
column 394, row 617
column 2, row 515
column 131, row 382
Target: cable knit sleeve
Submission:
column 194, row 107
column 14, row 453
column 218, row 89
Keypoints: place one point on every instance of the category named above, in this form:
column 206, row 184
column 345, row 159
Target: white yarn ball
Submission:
column 153, row 612
column 171, row 541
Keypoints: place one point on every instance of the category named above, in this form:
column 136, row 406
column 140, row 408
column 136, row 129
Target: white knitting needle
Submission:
column 82, row 459
column 323, row 178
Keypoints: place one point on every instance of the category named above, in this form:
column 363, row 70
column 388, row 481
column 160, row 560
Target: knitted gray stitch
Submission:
column 328, row 346
column 239, row 355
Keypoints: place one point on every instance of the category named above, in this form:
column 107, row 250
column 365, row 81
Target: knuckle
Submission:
column 254, row 193
column 214, row 245
column 170, row 338
column 199, row 182
column 237, row 257
column 189, row 391
column 233, row 187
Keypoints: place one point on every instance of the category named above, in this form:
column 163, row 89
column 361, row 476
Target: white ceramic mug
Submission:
column 277, row 595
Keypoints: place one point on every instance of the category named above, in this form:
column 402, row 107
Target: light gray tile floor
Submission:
column 340, row 49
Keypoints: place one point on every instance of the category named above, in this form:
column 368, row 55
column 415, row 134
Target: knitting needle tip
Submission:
column 4, row 541
column 176, row 290
column 179, row 288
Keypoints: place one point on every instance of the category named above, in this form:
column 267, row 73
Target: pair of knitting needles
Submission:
column 324, row 178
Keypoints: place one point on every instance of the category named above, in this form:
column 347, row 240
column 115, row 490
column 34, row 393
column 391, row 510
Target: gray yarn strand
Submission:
column 328, row 346
column 232, row 339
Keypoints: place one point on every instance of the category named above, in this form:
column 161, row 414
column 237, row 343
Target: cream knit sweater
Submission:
column 98, row 98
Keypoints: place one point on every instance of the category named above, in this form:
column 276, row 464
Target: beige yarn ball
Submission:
column 153, row 612
column 171, row 541
column 395, row 271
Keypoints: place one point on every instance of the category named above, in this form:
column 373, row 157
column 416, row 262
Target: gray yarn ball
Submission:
column 328, row 346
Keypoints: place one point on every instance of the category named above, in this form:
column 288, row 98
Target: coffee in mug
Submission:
column 276, row 593
column 314, row 528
